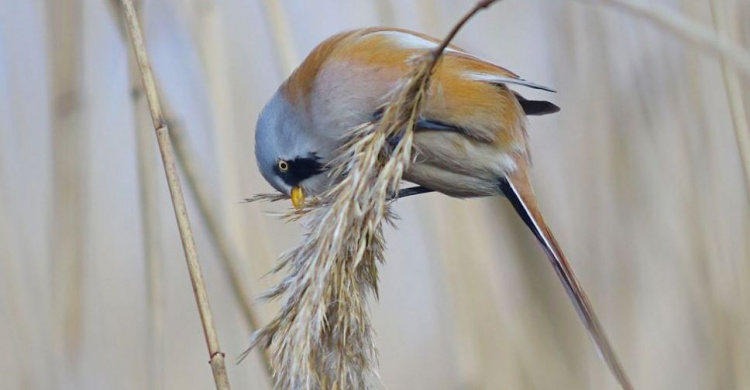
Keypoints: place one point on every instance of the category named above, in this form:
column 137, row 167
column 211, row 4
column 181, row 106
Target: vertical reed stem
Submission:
column 285, row 51
column 228, row 252
column 733, row 86
column 150, row 222
column 216, row 360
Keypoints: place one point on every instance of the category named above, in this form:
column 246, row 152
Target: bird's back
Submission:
column 344, row 81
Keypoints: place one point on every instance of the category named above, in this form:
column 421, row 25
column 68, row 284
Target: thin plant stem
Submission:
column 150, row 221
column 209, row 44
column 216, row 357
column 733, row 87
column 285, row 51
column 386, row 14
column 150, row 224
column 439, row 51
column 228, row 252
column 70, row 177
column 323, row 337
column 703, row 37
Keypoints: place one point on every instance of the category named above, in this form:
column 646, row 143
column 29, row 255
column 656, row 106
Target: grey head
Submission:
column 288, row 152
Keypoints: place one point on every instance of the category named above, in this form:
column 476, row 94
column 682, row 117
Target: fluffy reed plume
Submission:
column 323, row 336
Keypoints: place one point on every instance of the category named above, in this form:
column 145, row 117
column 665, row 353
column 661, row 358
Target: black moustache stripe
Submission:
column 301, row 168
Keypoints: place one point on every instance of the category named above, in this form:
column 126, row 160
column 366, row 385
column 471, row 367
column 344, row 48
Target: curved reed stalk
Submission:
column 703, row 37
column 218, row 367
column 323, row 336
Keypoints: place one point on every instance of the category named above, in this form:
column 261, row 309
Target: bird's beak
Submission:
column 298, row 197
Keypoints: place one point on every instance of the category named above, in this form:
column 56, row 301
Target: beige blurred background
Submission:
column 640, row 177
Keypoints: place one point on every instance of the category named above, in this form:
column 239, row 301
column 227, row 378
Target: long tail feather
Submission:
column 518, row 191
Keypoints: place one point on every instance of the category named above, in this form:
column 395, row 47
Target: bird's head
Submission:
column 289, row 157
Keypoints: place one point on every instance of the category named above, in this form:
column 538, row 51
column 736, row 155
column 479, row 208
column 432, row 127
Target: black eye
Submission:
column 283, row 166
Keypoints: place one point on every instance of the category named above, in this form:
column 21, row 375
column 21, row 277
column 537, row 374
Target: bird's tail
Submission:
column 517, row 188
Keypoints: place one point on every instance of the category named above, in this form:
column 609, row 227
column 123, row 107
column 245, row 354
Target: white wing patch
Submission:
column 410, row 41
column 496, row 79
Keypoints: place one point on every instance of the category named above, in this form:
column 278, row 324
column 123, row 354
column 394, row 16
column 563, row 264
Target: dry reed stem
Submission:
column 206, row 28
column 285, row 51
column 681, row 27
column 733, row 86
column 15, row 304
column 150, row 224
column 70, row 180
column 150, row 221
column 385, row 12
column 178, row 200
column 323, row 337
column 218, row 234
column 228, row 252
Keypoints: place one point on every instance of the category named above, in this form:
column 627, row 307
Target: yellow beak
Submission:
column 298, row 197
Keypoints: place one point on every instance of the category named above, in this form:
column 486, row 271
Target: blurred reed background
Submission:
column 640, row 176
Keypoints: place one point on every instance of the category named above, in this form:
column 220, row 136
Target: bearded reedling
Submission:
column 470, row 139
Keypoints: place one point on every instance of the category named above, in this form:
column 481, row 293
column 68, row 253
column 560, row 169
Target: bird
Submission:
column 470, row 138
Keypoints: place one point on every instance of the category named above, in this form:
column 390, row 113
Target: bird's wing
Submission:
column 468, row 94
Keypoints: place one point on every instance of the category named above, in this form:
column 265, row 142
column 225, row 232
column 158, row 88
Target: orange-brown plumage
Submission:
column 470, row 139
column 487, row 112
column 346, row 78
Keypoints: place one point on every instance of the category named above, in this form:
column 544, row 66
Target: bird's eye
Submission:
column 283, row 166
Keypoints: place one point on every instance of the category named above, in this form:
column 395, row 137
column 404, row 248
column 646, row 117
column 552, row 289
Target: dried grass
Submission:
column 323, row 337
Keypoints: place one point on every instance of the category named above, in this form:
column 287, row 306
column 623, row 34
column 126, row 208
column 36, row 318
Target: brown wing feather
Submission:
column 488, row 112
